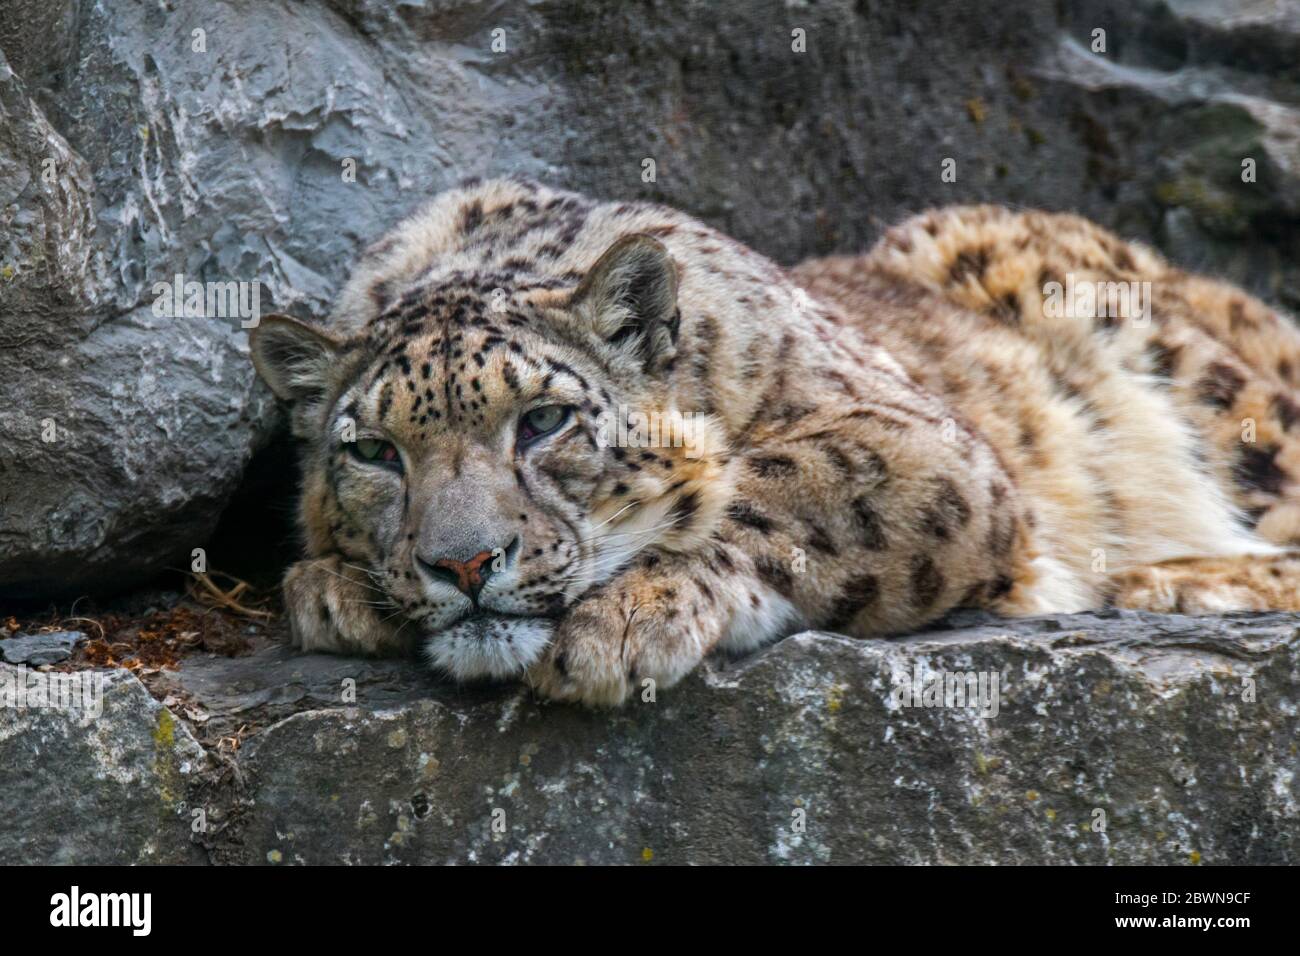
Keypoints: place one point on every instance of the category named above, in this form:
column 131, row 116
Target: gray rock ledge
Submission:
column 1179, row 733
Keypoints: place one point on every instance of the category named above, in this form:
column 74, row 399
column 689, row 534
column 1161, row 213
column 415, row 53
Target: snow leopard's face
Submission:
column 462, row 449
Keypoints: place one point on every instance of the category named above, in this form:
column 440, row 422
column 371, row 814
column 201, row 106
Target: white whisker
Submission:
column 630, row 504
column 344, row 577
column 374, row 576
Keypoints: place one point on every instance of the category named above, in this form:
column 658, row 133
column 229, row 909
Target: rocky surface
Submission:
column 1117, row 738
column 217, row 141
column 36, row 649
column 101, row 778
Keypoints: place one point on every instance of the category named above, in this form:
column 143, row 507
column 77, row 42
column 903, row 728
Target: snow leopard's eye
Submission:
column 542, row 421
column 377, row 451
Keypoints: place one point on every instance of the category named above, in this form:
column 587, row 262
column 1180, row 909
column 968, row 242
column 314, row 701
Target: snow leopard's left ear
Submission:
column 629, row 299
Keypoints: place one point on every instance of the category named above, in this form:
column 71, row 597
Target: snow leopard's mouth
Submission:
column 488, row 645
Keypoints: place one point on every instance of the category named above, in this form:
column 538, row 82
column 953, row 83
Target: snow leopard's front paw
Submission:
column 613, row 646
column 336, row 609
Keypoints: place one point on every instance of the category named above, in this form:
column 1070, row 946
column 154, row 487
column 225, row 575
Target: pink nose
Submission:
column 469, row 576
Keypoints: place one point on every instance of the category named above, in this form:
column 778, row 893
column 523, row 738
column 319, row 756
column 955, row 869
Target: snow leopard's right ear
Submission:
column 294, row 358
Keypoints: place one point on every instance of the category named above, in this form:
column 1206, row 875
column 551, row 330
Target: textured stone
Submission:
column 1136, row 716
column 35, row 649
column 227, row 164
column 101, row 782
column 1176, row 736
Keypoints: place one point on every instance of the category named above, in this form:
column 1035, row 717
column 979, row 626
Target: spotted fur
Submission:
column 880, row 438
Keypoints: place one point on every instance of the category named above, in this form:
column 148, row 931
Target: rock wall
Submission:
column 217, row 141
column 1116, row 738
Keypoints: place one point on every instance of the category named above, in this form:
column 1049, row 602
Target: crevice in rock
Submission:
column 256, row 537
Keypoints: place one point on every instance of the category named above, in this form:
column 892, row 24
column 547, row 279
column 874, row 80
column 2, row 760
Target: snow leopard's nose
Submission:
column 469, row 576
